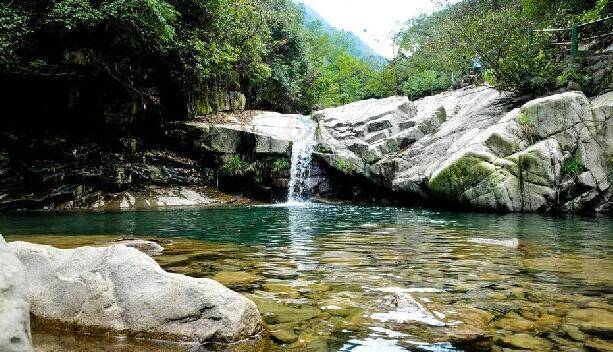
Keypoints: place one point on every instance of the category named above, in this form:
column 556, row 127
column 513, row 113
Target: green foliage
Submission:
column 573, row 167
column 324, row 149
column 13, row 30
column 338, row 77
column 234, row 166
column 433, row 47
column 345, row 167
column 572, row 72
column 523, row 119
column 425, row 82
column 173, row 50
column 281, row 165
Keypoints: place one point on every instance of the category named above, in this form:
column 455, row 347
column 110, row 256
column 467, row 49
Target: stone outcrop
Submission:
column 120, row 290
column 14, row 308
column 216, row 101
column 476, row 147
column 355, row 136
column 266, row 133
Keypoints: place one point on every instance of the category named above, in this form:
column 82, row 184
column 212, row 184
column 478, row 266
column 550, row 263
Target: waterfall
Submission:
column 302, row 151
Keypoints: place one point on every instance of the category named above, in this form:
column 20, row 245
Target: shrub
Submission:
column 281, row 165
column 345, row 167
column 573, row 72
column 234, row 166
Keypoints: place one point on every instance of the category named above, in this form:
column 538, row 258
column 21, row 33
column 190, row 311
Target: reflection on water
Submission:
column 356, row 278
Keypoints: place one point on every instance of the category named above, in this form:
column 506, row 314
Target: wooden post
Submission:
column 574, row 41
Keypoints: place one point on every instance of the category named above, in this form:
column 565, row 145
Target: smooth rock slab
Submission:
column 124, row 291
column 592, row 320
column 14, row 308
column 526, row 342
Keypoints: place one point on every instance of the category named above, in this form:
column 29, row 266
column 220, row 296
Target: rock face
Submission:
column 355, row 136
column 14, row 308
column 474, row 147
column 265, row 133
column 124, row 291
column 209, row 102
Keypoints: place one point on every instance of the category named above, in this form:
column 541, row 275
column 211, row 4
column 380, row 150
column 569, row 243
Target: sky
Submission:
column 372, row 20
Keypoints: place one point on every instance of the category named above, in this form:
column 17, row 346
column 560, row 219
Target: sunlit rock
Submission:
column 479, row 147
column 123, row 291
column 14, row 308
column 526, row 342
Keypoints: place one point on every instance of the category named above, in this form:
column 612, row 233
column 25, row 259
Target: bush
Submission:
column 281, row 165
column 234, row 166
column 423, row 83
column 513, row 58
column 573, row 72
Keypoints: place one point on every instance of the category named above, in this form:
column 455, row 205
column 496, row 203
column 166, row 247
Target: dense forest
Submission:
column 160, row 55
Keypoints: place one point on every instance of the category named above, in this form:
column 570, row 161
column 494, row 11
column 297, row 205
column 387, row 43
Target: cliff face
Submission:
column 477, row 147
column 127, row 165
column 472, row 147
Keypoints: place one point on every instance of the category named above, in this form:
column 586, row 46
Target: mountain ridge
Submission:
column 357, row 47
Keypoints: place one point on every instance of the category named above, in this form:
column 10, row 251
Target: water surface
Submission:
column 353, row 278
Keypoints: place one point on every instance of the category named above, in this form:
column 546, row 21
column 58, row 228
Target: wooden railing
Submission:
column 576, row 36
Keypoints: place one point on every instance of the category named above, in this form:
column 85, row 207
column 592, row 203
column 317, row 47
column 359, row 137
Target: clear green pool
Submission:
column 353, row 278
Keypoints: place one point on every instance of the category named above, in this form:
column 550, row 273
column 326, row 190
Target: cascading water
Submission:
column 302, row 151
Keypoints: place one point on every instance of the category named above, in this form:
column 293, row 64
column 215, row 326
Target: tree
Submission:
column 435, row 46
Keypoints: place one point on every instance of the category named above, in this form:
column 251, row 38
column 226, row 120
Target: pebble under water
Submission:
column 356, row 278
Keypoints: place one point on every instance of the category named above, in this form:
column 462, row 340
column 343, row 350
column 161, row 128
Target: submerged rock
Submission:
column 526, row 342
column 592, row 320
column 123, row 291
column 147, row 247
column 407, row 309
column 14, row 308
column 476, row 147
column 511, row 243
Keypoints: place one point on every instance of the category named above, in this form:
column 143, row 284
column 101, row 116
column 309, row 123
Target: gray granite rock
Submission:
column 123, row 291
column 14, row 308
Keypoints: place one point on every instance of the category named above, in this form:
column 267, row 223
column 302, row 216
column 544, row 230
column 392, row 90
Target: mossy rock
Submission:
column 465, row 172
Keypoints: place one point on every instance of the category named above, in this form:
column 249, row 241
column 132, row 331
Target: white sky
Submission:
column 372, row 20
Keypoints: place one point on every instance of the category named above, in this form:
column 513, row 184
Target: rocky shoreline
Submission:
column 471, row 148
column 477, row 147
column 115, row 290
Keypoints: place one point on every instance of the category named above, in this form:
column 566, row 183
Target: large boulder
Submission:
column 120, row 290
column 479, row 147
column 14, row 308
column 356, row 136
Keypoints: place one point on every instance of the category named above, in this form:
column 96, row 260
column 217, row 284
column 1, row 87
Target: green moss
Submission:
column 573, row 167
column 324, row 149
column 345, row 167
column 202, row 106
column 464, row 173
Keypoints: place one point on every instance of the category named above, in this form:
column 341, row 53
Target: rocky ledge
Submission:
column 119, row 290
column 480, row 148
